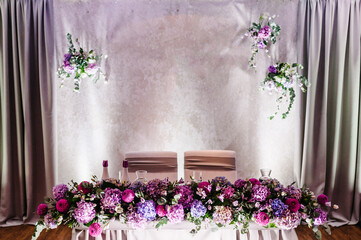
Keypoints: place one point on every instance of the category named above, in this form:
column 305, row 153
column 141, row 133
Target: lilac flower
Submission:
column 137, row 186
column 222, row 215
column 322, row 217
column 186, row 195
column 272, row 69
column 289, row 221
column 59, row 191
column 147, row 209
column 278, row 207
column 198, row 209
column 84, row 212
column 293, row 192
column 111, row 198
column 221, row 181
column 228, row 192
column 265, row 32
column 239, row 183
column 156, row 188
column 49, row 221
column 175, row 213
column 260, row 193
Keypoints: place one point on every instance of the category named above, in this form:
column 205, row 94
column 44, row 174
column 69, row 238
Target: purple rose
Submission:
column 265, row 32
column 62, row 205
column 95, row 229
column 128, row 196
column 293, row 204
column 262, row 219
column 272, row 69
column 42, row 209
column 322, row 199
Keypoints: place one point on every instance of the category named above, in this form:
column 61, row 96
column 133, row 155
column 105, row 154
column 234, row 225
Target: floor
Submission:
column 64, row 233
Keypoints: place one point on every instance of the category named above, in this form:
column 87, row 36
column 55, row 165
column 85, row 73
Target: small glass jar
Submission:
column 266, row 173
column 141, row 176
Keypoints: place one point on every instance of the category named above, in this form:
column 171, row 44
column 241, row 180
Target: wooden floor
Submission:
column 64, row 233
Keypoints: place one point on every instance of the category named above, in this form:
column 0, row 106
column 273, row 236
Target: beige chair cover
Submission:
column 158, row 164
column 212, row 163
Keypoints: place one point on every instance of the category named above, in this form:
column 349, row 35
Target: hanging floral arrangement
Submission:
column 79, row 64
column 262, row 34
column 283, row 78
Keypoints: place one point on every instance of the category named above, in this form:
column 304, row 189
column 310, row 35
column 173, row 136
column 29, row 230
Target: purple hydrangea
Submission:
column 221, row 181
column 84, row 212
column 239, row 183
column 175, row 213
column 278, row 207
column 186, row 195
column 157, row 188
column 293, row 192
column 147, row 209
column 322, row 217
column 272, row 69
column 288, row 221
column 137, row 186
column 49, row 221
column 111, row 198
column 59, row 191
column 260, row 193
column 198, row 209
column 265, row 32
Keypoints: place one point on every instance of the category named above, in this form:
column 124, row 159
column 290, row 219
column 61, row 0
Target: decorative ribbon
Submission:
column 209, row 163
column 153, row 164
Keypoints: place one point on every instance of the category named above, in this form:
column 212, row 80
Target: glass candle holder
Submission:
column 266, row 173
column 141, row 176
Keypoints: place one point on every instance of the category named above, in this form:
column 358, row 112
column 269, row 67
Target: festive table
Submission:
column 181, row 231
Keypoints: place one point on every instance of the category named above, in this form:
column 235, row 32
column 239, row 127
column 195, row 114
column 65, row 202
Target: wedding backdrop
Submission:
column 177, row 80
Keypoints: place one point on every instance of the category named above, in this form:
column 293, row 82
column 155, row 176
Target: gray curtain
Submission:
column 329, row 48
column 27, row 107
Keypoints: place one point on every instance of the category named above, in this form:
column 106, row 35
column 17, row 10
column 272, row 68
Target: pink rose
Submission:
column 206, row 186
column 254, row 181
column 262, row 218
column 84, row 187
column 62, row 205
column 95, row 229
column 128, row 195
column 42, row 209
column 322, row 199
column 293, row 204
column 160, row 210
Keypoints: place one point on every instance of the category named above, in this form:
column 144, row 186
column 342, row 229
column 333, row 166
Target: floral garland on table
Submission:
column 282, row 78
column 218, row 202
column 262, row 34
column 79, row 64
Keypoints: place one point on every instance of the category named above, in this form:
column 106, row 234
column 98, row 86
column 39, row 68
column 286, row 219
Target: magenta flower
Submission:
column 175, row 213
column 128, row 195
column 62, row 205
column 95, row 229
column 206, row 186
column 239, row 183
column 84, row 187
column 254, row 181
column 321, row 218
column 322, row 199
column 262, row 219
column 160, row 210
column 228, row 192
column 272, row 69
column 293, row 204
column 265, row 32
column 42, row 209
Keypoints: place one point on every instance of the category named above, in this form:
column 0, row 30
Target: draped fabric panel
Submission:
column 27, row 108
column 329, row 47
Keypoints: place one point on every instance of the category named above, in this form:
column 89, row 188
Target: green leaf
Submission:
column 162, row 222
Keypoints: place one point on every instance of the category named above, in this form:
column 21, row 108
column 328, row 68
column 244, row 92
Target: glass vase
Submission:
column 266, row 173
column 141, row 176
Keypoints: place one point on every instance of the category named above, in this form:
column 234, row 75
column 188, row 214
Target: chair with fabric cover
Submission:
column 211, row 163
column 159, row 164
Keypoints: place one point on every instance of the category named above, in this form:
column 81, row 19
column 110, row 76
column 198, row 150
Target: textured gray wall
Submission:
column 178, row 80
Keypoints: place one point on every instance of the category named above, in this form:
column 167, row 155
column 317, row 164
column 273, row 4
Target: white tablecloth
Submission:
column 118, row 231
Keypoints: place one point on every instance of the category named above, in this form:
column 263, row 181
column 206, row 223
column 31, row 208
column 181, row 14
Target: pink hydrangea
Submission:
column 175, row 213
column 262, row 219
column 222, row 215
column 322, row 199
column 128, row 195
column 95, row 229
column 160, row 210
column 84, row 187
column 42, row 209
column 62, row 205
column 293, row 204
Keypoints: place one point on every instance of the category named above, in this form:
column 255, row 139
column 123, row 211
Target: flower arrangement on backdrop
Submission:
column 217, row 202
column 282, row 79
column 79, row 64
column 262, row 34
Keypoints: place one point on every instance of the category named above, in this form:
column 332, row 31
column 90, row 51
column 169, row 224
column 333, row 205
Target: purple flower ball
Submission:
column 293, row 204
column 322, row 199
column 59, row 191
column 62, row 205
